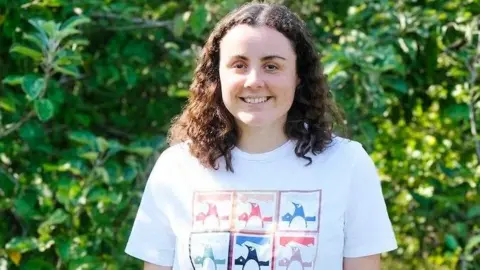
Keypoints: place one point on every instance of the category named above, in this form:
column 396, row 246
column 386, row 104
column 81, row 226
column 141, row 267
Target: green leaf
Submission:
column 130, row 76
column 198, row 20
column 33, row 85
column 115, row 197
column 66, row 33
column 44, row 109
column 396, row 83
column 89, row 155
column 7, row 183
column 58, row 217
column 62, row 246
column 31, row 131
column 472, row 242
column 37, row 23
column 102, row 144
column 22, row 244
column 23, row 50
column 457, row 112
column 67, row 70
column 8, row 105
column 129, row 174
column 97, row 194
column 36, row 39
column 182, row 93
column 24, row 207
column 473, row 211
column 102, row 174
column 37, row 264
column 74, row 22
column 50, row 28
column 141, row 150
column 179, row 25
column 83, row 137
column 67, row 58
column 85, row 262
column 13, row 80
column 451, row 242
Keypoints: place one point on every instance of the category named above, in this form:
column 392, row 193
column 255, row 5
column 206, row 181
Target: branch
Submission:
column 139, row 23
column 17, row 125
column 118, row 132
column 470, row 63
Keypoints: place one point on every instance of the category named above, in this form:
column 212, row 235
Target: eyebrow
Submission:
column 268, row 57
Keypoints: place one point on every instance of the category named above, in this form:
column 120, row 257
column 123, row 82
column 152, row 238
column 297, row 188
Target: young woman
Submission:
column 255, row 177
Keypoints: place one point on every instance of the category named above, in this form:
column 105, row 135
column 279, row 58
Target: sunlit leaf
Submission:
column 22, row 244
column 44, row 109
column 23, row 50
column 83, row 137
column 13, row 80
column 74, row 22
column 36, row 39
column 198, row 20
column 33, row 85
column 67, row 70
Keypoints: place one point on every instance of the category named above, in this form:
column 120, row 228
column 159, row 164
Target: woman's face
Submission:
column 258, row 76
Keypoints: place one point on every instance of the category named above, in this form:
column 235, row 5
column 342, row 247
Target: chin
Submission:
column 255, row 121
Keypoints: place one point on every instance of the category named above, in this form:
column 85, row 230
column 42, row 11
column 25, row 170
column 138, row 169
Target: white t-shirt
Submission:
column 272, row 211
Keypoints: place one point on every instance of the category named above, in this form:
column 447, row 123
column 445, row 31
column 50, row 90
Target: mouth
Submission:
column 255, row 100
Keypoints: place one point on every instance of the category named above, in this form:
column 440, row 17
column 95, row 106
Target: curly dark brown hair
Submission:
column 210, row 128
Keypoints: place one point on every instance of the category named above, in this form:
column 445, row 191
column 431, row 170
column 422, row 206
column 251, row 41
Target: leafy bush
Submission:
column 88, row 90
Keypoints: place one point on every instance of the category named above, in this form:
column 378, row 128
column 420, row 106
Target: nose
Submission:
column 254, row 80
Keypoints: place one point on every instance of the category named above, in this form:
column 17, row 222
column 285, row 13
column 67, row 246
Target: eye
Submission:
column 239, row 65
column 271, row 67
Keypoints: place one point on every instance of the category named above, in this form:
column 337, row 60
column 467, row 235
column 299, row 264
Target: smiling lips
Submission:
column 255, row 100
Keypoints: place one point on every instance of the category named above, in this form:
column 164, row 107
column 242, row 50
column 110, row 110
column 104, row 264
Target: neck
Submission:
column 261, row 139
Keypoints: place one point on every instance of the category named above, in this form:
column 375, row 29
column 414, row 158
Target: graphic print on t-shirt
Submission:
column 252, row 252
column 299, row 211
column 210, row 250
column 295, row 251
column 212, row 211
column 254, row 211
column 255, row 230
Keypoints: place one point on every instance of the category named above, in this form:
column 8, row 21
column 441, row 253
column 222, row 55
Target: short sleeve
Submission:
column 368, row 229
column 151, row 238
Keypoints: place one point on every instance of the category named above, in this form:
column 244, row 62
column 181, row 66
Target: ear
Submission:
column 298, row 81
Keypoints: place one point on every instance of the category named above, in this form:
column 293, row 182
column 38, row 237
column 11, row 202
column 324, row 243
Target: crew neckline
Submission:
column 286, row 148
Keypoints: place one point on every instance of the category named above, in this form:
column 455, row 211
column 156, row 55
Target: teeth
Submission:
column 255, row 100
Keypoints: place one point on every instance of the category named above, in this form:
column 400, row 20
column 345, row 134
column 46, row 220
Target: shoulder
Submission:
column 343, row 148
column 175, row 156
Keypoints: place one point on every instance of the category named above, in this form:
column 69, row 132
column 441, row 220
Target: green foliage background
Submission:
column 89, row 88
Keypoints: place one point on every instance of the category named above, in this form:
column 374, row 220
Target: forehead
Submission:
column 255, row 41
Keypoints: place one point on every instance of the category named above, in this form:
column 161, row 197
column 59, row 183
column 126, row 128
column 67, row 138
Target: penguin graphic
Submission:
column 211, row 218
column 251, row 262
column 295, row 260
column 255, row 218
column 298, row 213
column 208, row 260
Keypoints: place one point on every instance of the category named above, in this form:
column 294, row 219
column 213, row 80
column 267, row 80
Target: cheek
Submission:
column 230, row 85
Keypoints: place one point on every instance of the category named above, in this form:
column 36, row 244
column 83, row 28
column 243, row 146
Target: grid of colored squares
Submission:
column 255, row 230
column 223, row 250
column 256, row 211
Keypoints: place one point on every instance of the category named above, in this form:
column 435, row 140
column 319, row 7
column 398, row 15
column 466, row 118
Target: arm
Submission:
column 371, row 262
column 149, row 266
